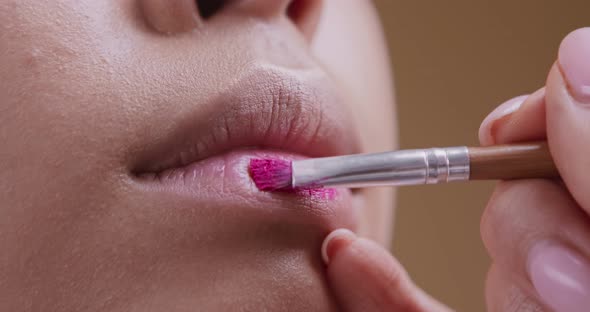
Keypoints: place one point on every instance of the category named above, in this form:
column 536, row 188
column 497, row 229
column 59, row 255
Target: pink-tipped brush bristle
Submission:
column 271, row 174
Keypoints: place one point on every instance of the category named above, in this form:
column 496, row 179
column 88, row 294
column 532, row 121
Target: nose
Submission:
column 179, row 16
column 170, row 16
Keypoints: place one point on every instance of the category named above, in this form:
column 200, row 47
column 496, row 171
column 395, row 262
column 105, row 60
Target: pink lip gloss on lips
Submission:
column 273, row 175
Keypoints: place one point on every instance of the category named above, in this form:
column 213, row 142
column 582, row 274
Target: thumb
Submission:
column 568, row 114
column 365, row 277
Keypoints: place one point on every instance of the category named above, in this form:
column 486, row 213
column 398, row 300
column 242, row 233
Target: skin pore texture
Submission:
column 126, row 129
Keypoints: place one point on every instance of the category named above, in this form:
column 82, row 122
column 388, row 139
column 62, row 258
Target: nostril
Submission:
column 208, row 8
column 305, row 14
column 297, row 9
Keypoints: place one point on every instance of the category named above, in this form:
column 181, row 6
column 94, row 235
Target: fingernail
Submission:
column 574, row 53
column 561, row 277
column 335, row 241
column 498, row 116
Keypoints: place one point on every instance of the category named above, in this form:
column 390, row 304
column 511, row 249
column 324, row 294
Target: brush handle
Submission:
column 512, row 161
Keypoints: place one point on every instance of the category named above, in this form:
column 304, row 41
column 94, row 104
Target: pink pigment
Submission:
column 271, row 175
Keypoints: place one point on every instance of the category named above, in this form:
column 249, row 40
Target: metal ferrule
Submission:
column 404, row 167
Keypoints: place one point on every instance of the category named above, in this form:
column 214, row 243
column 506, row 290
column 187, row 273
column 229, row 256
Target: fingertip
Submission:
column 517, row 120
column 573, row 61
column 497, row 116
column 335, row 241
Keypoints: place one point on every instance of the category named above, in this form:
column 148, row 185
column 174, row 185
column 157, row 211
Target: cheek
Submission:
column 368, row 84
column 377, row 214
column 348, row 35
column 62, row 96
column 58, row 118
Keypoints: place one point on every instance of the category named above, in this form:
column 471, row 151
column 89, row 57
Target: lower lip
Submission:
column 223, row 181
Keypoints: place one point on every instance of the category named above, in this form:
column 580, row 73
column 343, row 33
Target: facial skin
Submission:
column 125, row 126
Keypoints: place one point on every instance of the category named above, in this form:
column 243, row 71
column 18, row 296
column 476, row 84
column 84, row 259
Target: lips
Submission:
column 267, row 113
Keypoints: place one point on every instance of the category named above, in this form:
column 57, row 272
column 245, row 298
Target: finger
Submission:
column 519, row 119
column 536, row 234
column 365, row 277
column 503, row 295
column 568, row 114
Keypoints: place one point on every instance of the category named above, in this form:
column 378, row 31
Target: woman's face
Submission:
column 126, row 128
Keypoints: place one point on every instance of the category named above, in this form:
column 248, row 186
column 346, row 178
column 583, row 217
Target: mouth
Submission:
column 268, row 112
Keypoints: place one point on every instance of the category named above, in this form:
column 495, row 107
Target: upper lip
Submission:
column 296, row 111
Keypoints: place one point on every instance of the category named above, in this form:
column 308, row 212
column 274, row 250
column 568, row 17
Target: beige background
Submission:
column 454, row 61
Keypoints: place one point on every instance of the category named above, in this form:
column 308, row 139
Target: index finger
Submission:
column 519, row 119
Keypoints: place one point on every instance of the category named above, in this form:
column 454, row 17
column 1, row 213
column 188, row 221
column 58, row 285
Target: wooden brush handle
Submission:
column 512, row 161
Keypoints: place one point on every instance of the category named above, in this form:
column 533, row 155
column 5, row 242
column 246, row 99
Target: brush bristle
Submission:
column 271, row 174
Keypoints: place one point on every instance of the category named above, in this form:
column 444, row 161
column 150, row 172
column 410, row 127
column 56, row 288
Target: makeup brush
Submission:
column 407, row 167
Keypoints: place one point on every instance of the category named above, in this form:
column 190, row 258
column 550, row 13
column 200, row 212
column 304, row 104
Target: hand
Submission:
column 365, row 277
column 537, row 232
